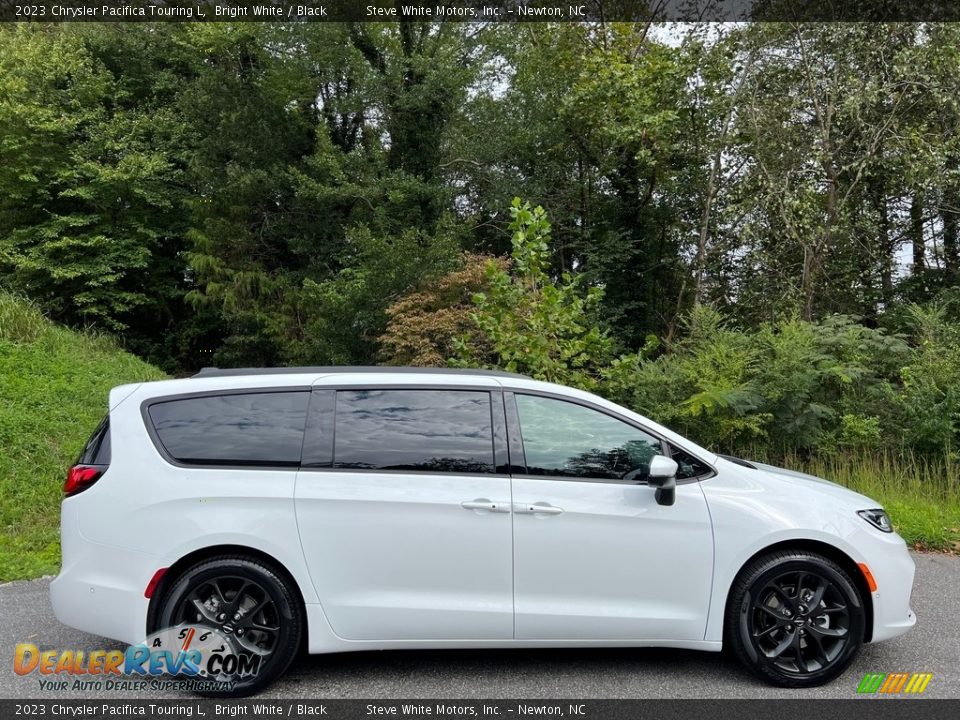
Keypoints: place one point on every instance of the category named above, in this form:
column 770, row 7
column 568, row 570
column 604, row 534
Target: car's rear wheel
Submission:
column 795, row 618
column 251, row 604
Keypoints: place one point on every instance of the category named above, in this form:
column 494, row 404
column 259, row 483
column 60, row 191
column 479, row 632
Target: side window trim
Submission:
column 168, row 458
column 516, row 437
column 498, row 418
column 518, row 459
column 319, row 433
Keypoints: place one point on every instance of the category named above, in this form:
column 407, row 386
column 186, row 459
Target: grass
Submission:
column 921, row 495
column 53, row 391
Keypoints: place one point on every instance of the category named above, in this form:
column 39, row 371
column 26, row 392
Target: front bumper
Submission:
column 893, row 570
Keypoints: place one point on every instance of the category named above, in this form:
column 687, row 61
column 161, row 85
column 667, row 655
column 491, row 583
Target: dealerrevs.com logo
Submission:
column 200, row 658
column 894, row 683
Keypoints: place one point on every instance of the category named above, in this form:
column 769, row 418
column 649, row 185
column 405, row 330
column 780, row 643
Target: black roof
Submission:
column 335, row 369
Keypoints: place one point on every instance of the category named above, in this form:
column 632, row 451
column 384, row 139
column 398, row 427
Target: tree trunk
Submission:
column 867, row 268
column 813, row 251
column 712, row 181
column 807, row 284
column 916, row 235
column 949, row 213
column 701, row 261
column 884, row 244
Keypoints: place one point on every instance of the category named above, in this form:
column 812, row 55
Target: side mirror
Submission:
column 663, row 476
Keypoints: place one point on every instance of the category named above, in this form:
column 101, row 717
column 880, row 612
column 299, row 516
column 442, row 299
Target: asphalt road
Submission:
column 932, row 646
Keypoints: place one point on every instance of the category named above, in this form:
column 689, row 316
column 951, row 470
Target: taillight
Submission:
column 80, row 477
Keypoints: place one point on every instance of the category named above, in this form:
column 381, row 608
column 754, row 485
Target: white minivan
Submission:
column 341, row 509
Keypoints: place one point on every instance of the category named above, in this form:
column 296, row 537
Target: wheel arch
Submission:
column 831, row 552
column 205, row 553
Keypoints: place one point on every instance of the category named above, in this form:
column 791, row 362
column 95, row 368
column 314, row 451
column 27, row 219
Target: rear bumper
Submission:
column 99, row 588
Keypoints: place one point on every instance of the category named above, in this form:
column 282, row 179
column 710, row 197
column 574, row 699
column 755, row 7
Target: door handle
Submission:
column 537, row 509
column 484, row 504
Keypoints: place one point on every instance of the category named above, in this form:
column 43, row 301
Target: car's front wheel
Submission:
column 795, row 618
column 249, row 604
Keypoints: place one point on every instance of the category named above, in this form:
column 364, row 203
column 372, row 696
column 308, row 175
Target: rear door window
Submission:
column 414, row 430
column 258, row 429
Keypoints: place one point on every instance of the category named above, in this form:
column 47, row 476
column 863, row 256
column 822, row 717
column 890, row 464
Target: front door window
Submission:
column 568, row 440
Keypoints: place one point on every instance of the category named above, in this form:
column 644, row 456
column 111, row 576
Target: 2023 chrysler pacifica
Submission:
column 368, row 508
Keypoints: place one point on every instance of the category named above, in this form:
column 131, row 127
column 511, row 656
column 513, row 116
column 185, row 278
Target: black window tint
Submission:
column 688, row 466
column 239, row 429
column 565, row 439
column 97, row 449
column 428, row 430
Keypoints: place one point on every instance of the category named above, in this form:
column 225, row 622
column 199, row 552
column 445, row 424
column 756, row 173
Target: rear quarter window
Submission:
column 97, row 449
column 257, row 428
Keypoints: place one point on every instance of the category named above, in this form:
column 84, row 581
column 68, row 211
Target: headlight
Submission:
column 878, row 518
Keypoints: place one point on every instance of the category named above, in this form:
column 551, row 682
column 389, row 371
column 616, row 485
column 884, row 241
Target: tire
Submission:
column 795, row 619
column 264, row 599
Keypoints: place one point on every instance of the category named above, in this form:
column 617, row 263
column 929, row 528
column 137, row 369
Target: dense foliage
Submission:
column 753, row 229
column 780, row 388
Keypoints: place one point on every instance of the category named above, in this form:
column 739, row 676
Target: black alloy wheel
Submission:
column 237, row 607
column 250, row 604
column 795, row 619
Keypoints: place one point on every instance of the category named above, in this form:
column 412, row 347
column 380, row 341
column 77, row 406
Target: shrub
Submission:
column 534, row 324
column 424, row 325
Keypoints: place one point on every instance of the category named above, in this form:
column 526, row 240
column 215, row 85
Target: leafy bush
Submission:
column 789, row 386
column 425, row 325
column 533, row 323
column 928, row 404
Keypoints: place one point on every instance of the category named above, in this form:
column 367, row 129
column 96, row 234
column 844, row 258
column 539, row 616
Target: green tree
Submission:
column 323, row 197
column 92, row 180
column 533, row 324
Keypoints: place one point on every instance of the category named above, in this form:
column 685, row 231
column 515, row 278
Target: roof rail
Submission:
column 343, row 369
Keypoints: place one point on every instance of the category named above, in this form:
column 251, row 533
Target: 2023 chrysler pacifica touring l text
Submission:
column 349, row 509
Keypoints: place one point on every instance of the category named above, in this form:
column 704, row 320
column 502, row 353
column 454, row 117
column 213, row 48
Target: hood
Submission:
column 804, row 482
